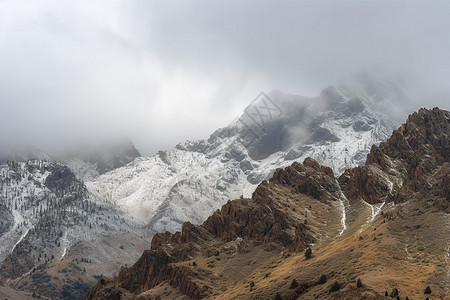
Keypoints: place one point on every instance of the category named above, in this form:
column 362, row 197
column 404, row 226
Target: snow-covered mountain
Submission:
column 45, row 212
column 336, row 128
column 87, row 160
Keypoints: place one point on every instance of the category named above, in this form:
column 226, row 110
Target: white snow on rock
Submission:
column 337, row 129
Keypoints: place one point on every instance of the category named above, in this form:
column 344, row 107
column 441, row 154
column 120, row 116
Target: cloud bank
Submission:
column 161, row 72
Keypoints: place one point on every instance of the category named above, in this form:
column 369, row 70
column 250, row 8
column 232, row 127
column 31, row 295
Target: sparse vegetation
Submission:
column 294, row 284
column 358, row 283
column 252, row 285
column 322, row 279
column 394, row 293
column 308, row 253
column 336, row 286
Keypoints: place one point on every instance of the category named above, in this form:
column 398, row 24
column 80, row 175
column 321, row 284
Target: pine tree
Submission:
column 336, row 286
column 294, row 284
column 394, row 292
column 322, row 279
column 359, row 283
column 308, row 253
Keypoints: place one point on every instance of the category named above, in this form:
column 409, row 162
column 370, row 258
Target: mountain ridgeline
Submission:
column 336, row 128
column 376, row 228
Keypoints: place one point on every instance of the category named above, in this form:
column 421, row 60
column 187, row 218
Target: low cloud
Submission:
column 161, row 72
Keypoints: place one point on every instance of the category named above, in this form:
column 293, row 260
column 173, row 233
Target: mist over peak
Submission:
column 162, row 73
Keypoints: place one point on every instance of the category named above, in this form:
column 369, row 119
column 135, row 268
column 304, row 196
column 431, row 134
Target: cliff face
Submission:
column 406, row 163
column 248, row 248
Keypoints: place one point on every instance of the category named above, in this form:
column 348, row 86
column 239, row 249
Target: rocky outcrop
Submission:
column 310, row 179
column 401, row 165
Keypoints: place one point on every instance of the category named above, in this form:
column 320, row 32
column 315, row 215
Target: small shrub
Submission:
column 308, row 253
column 322, row 279
column 358, row 283
column 278, row 297
column 427, row 290
column 386, row 293
column 336, row 286
column 294, row 284
column 394, row 293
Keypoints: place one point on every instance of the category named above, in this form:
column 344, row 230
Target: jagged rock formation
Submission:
column 401, row 166
column 386, row 223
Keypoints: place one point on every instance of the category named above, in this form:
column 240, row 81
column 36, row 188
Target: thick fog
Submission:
column 161, row 72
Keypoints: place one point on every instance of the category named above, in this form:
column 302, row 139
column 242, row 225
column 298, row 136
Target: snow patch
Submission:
column 65, row 244
column 20, row 239
column 344, row 216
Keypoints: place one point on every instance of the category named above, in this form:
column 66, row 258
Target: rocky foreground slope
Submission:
column 386, row 223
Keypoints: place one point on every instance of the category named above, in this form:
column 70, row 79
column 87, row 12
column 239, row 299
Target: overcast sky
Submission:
column 161, row 72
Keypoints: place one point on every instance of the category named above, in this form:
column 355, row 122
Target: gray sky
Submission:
column 161, row 72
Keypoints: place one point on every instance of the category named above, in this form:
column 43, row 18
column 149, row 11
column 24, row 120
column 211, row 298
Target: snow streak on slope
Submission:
column 65, row 244
column 337, row 129
column 20, row 239
column 342, row 203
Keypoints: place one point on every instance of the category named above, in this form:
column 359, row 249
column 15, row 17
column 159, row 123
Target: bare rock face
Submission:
column 403, row 164
column 310, row 179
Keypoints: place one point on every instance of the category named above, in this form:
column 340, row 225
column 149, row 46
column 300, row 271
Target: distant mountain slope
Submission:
column 46, row 212
column 87, row 161
column 188, row 183
column 386, row 223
